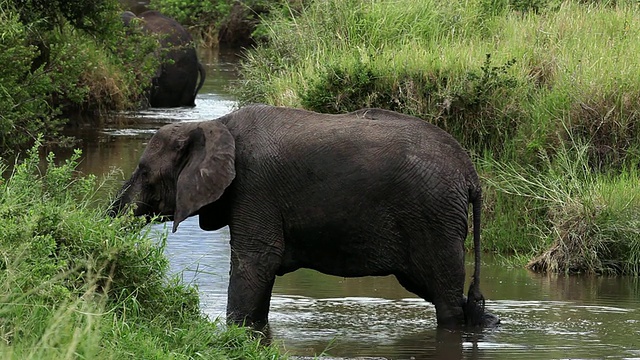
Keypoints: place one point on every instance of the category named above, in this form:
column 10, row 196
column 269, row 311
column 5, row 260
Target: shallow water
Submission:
column 543, row 317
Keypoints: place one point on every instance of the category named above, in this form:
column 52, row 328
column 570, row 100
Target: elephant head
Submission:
column 127, row 17
column 184, row 167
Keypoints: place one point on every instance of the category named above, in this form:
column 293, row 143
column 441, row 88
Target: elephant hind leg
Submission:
column 444, row 291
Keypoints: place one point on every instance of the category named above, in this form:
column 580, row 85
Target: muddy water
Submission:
column 544, row 317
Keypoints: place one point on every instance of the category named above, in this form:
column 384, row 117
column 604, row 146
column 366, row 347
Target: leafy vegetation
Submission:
column 591, row 222
column 77, row 283
column 64, row 59
column 528, row 87
column 224, row 22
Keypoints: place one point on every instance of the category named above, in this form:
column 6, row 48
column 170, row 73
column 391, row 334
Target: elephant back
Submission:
column 170, row 31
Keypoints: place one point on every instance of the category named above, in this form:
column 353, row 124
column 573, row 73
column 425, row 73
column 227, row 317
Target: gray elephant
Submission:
column 372, row 192
column 176, row 81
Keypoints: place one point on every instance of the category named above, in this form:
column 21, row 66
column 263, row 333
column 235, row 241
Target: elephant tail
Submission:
column 203, row 75
column 474, row 307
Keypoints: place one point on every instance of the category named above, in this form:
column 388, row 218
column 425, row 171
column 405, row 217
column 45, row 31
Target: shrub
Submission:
column 93, row 16
column 77, row 283
column 53, row 230
column 228, row 22
column 23, row 93
column 341, row 88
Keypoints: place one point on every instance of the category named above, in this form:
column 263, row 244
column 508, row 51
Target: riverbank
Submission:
column 79, row 284
column 63, row 63
column 542, row 95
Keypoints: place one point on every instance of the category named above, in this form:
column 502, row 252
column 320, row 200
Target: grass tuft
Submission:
column 591, row 218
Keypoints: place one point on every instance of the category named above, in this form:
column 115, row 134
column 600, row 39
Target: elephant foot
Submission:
column 466, row 315
column 490, row 320
column 475, row 313
column 247, row 321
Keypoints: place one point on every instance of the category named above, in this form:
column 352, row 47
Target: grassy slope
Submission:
column 523, row 90
column 78, row 284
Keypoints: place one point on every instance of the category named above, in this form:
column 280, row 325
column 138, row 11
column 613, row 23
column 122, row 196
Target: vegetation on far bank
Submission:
column 79, row 284
column 228, row 23
column 62, row 60
column 543, row 93
column 71, row 62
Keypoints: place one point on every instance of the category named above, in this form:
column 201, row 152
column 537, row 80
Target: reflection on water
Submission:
column 208, row 106
column 543, row 317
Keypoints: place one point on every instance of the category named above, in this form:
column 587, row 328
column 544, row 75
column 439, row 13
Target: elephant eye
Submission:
column 143, row 171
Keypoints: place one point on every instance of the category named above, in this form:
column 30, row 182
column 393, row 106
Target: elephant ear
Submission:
column 208, row 171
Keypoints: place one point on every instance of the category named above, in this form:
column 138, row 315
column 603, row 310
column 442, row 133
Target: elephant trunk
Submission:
column 116, row 206
column 122, row 199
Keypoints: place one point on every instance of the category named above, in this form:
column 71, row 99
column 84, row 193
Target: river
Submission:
column 543, row 316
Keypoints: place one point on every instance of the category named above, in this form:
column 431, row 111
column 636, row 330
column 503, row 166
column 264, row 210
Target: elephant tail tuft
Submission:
column 474, row 314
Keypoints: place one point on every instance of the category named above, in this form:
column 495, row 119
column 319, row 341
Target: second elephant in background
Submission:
column 176, row 82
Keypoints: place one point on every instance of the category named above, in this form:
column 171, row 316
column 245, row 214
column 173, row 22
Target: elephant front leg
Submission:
column 250, row 285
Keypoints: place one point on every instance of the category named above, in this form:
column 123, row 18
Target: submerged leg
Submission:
column 448, row 302
column 256, row 256
column 249, row 296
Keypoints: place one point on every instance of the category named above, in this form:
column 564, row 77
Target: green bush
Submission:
column 205, row 19
column 51, row 229
column 339, row 90
column 49, row 75
column 23, row 99
column 194, row 13
column 591, row 223
column 93, row 16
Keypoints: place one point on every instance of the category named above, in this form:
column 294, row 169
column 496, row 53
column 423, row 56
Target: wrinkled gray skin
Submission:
column 176, row 82
column 371, row 192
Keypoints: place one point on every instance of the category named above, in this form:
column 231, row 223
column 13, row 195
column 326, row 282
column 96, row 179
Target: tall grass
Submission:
column 592, row 221
column 75, row 283
column 510, row 80
column 569, row 60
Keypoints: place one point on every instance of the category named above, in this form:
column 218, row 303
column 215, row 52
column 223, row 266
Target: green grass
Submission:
column 590, row 222
column 570, row 61
column 536, row 89
column 75, row 283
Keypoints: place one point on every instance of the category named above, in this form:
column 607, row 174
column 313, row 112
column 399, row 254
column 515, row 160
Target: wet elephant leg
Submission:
column 249, row 298
column 256, row 256
column 439, row 280
column 448, row 302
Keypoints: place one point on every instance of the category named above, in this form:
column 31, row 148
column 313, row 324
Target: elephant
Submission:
column 176, row 82
column 367, row 193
